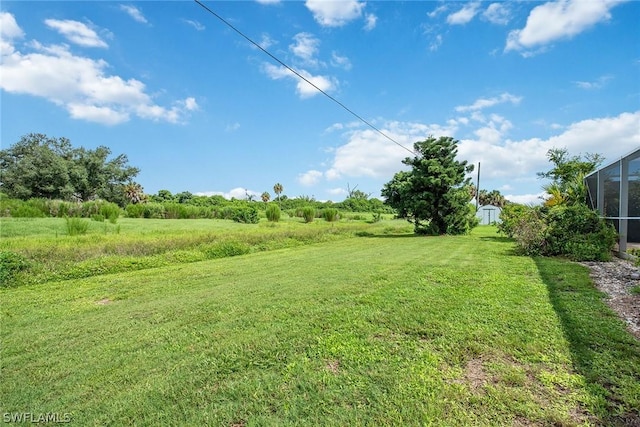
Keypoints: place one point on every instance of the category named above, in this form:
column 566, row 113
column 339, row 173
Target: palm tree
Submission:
column 265, row 196
column 134, row 193
column 278, row 189
column 556, row 195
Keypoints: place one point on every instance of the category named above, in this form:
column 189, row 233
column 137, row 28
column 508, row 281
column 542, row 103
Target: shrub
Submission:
column 97, row 217
column 11, row 263
column 529, row 231
column 510, row 217
column 134, row 211
column 273, row 212
column 227, row 212
column 110, row 211
column 308, row 213
column 579, row 233
column 330, row 214
column 60, row 208
column 76, row 226
column 34, row 208
column 574, row 231
column 154, row 210
column 247, row 215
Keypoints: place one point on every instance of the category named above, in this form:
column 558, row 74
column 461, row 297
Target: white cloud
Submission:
column 497, row 13
column 335, row 13
column 303, row 88
column 483, row 103
column 517, row 159
column 340, row 61
column 556, row 20
column 93, row 113
column 526, row 199
column 464, row 15
column 9, row 28
column 190, row 104
column 305, row 47
column 134, row 12
column 195, row 24
column 337, row 191
column 76, row 32
column 599, row 83
column 309, row 178
column 236, row 193
column 81, row 85
column 436, row 42
column 370, row 21
column 265, row 41
column 505, row 162
column 369, row 154
column 437, row 11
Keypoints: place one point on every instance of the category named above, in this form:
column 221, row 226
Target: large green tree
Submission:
column 46, row 167
column 434, row 194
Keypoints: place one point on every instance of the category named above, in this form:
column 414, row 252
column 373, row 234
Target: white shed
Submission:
column 488, row 214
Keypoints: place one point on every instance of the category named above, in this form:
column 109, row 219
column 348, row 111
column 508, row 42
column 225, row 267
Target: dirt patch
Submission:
column 333, row 366
column 475, row 375
column 616, row 279
column 104, row 301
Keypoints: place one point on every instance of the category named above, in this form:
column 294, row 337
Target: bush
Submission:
column 330, row 214
column 154, row 210
column 76, row 226
column 579, row 233
column 573, row 231
column 110, row 211
column 529, row 231
column 11, row 263
column 308, row 213
column 97, row 217
column 273, row 212
column 246, row 215
column 34, row 208
column 510, row 217
column 134, row 211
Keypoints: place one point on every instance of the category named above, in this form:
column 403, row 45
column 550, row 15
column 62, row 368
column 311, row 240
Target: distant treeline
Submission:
column 181, row 206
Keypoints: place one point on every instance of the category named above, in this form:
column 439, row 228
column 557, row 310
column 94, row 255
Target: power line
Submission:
column 303, row 77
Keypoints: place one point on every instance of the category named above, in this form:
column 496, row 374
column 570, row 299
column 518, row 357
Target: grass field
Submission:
column 367, row 326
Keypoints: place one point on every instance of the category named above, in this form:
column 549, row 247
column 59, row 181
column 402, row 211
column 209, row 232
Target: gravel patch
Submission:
column 616, row 279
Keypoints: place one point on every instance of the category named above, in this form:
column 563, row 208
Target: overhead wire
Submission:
column 257, row 45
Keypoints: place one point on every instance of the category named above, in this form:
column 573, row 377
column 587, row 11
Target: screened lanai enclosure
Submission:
column 614, row 191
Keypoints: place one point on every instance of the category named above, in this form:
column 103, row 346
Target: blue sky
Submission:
column 197, row 108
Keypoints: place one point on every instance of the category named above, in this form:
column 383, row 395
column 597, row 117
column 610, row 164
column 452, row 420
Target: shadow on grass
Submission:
column 498, row 239
column 602, row 350
column 390, row 236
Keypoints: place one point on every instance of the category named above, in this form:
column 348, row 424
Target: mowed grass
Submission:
column 383, row 329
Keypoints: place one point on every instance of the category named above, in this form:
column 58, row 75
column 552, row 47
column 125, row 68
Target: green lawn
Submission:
column 369, row 328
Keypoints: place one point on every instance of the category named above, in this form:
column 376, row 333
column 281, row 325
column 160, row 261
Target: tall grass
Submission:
column 308, row 213
column 273, row 212
column 135, row 244
column 76, row 226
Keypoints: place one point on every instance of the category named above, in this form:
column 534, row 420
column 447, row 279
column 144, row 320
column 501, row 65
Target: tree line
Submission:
column 39, row 166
